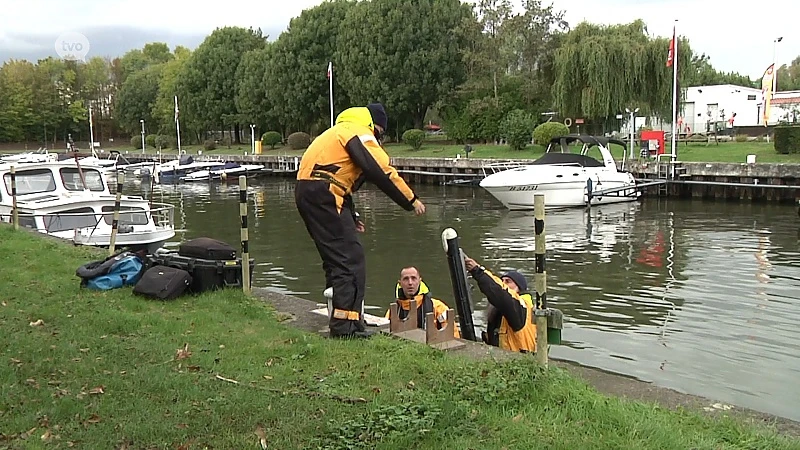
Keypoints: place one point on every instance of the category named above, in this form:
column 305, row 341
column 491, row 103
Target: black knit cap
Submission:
column 518, row 278
column 378, row 114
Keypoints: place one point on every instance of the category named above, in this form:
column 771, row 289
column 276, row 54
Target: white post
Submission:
column 143, row 144
column 252, row 139
column 178, row 126
column 91, row 130
column 330, row 81
column 675, row 59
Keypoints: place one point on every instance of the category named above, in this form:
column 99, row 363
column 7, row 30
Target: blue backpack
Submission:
column 122, row 269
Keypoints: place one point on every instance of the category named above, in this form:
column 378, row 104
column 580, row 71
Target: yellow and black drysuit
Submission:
column 511, row 325
column 334, row 166
column 425, row 304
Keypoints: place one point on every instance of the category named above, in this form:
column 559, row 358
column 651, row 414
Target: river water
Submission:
column 699, row 296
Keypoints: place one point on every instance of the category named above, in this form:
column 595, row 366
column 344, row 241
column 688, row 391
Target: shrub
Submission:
column 136, row 142
column 547, row 131
column 414, row 138
column 516, row 128
column 209, row 145
column 299, row 140
column 150, row 139
column 166, row 141
column 787, row 139
column 271, row 138
column 742, row 138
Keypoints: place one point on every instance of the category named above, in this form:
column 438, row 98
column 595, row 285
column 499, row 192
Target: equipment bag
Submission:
column 207, row 248
column 163, row 283
column 122, row 269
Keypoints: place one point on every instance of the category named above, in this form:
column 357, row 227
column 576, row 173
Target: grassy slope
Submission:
column 695, row 152
column 103, row 371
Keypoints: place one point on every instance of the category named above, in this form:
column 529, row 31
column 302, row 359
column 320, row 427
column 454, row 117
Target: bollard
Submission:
column 540, row 281
column 245, row 234
column 115, row 221
column 14, row 212
column 458, row 277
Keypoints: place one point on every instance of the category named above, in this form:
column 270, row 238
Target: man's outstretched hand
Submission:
column 419, row 207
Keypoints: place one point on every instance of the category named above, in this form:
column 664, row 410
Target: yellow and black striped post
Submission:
column 540, row 280
column 245, row 234
column 14, row 212
column 115, row 221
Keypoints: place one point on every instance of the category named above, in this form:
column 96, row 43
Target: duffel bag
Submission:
column 163, row 283
column 207, row 248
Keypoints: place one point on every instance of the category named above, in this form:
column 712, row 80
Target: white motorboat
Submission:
column 73, row 202
column 229, row 170
column 566, row 179
column 173, row 171
column 41, row 155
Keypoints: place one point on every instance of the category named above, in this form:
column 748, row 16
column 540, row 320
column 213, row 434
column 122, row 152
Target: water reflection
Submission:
column 697, row 296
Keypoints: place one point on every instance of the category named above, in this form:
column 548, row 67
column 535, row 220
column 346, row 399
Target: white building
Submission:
column 708, row 107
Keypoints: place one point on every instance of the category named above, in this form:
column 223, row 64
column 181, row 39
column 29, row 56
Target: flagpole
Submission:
column 675, row 59
column 330, row 80
column 91, row 130
column 178, row 126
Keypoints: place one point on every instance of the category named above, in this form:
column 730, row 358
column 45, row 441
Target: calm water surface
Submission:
column 697, row 296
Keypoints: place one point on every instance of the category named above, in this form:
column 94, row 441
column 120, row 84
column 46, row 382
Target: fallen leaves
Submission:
column 94, row 418
column 183, row 353
column 262, row 436
column 38, row 323
column 221, row 378
column 97, row 390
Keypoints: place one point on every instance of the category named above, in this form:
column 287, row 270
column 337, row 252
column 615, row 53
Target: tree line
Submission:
column 472, row 68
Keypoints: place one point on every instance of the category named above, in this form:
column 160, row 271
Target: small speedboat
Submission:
column 566, row 178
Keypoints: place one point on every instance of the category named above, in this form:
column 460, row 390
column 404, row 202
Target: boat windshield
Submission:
column 72, row 179
column 31, row 181
column 128, row 215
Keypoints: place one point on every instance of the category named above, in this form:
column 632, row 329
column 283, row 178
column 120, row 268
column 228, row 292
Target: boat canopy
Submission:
column 568, row 158
column 588, row 140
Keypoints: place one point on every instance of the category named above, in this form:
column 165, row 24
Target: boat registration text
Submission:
column 530, row 187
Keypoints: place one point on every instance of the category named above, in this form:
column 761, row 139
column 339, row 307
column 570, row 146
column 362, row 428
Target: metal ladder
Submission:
column 663, row 173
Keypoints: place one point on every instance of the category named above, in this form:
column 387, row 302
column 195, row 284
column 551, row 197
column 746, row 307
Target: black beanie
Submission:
column 518, row 278
column 378, row 115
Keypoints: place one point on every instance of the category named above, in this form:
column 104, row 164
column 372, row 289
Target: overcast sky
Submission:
column 736, row 34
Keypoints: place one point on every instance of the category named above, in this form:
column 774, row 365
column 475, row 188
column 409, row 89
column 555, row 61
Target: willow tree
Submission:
column 601, row 70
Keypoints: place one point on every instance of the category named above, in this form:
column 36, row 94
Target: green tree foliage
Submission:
column 517, row 128
column 16, row 100
column 406, row 54
column 151, row 54
column 703, row 74
column 414, row 138
column 789, row 76
column 163, row 110
column 136, row 99
column 271, row 138
column 297, row 81
column 207, row 82
column 253, row 97
column 601, row 70
column 543, row 133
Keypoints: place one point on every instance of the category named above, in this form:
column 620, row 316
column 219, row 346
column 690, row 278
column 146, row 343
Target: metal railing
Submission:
column 162, row 215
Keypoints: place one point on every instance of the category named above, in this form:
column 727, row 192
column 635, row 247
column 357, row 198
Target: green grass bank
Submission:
column 689, row 152
column 110, row 370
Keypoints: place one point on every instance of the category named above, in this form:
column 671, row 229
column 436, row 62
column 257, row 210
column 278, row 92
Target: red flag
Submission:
column 671, row 55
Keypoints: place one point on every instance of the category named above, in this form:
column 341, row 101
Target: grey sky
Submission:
column 736, row 35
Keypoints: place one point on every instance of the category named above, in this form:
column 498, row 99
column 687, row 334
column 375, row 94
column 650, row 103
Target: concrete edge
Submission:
column 296, row 312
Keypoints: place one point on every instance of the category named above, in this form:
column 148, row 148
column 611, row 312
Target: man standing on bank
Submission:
column 334, row 166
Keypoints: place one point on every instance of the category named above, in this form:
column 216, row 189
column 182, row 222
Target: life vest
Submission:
column 347, row 154
column 523, row 340
column 425, row 304
column 423, row 299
